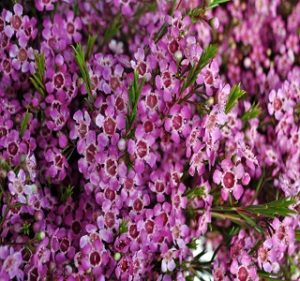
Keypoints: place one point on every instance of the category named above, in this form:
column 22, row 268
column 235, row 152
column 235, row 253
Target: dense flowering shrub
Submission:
column 131, row 129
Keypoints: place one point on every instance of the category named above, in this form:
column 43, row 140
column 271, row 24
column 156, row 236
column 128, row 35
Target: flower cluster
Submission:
column 125, row 136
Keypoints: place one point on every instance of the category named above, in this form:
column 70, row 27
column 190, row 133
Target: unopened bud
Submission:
column 40, row 235
column 117, row 256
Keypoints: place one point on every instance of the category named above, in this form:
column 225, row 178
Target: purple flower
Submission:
column 168, row 263
column 229, row 178
column 11, row 266
column 22, row 59
column 47, row 5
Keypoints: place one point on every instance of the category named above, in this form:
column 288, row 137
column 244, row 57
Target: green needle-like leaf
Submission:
column 113, row 29
column 37, row 79
column 215, row 3
column 235, row 94
column 134, row 93
column 24, row 123
column 195, row 192
column 207, row 55
column 81, row 62
column 252, row 113
column 123, row 228
column 90, row 46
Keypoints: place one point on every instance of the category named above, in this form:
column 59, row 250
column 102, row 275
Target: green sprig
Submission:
column 195, row 192
column 252, row 113
column 81, row 62
column 235, row 94
column 113, row 29
column 123, row 228
column 215, row 3
column 133, row 95
column 66, row 192
column 24, row 123
column 37, row 79
column 207, row 55
column 90, row 45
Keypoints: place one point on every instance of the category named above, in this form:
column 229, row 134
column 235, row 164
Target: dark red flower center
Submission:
column 173, row 46
column 76, row 227
column 64, row 245
column 137, row 205
column 1, row 24
column 277, row 104
column 151, row 101
column 128, row 183
column 281, row 232
column 148, row 126
column 109, row 126
column 228, row 180
column 111, row 167
column 167, row 79
column 6, row 65
column 70, row 28
column 59, row 161
column 142, row 68
column 133, row 231
column 82, row 130
column 13, row 148
column 109, row 219
column 3, row 132
column 22, row 55
column 177, row 122
column 59, row 80
column 159, row 186
column 120, row 103
column 243, row 274
column 110, row 194
column 124, row 265
column 95, row 258
column 142, row 149
column 16, row 22
column 149, row 225
column 91, row 152
column 114, row 83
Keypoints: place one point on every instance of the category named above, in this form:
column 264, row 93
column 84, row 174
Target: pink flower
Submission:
column 229, row 178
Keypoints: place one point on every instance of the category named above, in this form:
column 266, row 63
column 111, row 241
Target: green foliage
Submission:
column 113, row 29
column 123, row 228
column 66, row 193
column 265, row 276
column 273, row 209
column 298, row 235
column 193, row 244
column 24, row 123
column 133, row 96
column 161, row 32
column 90, row 45
column 26, row 229
column 235, row 94
column 252, row 113
column 81, row 62
column 198, row 191
column 37, row 79
column 207, row 55
column 247, row 216
column 5, row 165
column 215, row 3
column 196, row 13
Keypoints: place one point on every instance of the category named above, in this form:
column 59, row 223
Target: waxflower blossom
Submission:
column 149, row 140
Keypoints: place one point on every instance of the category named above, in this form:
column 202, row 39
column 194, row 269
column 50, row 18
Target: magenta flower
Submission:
column 229, row 177
column 11, row 266
column 22, row 59
column 47, row 5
